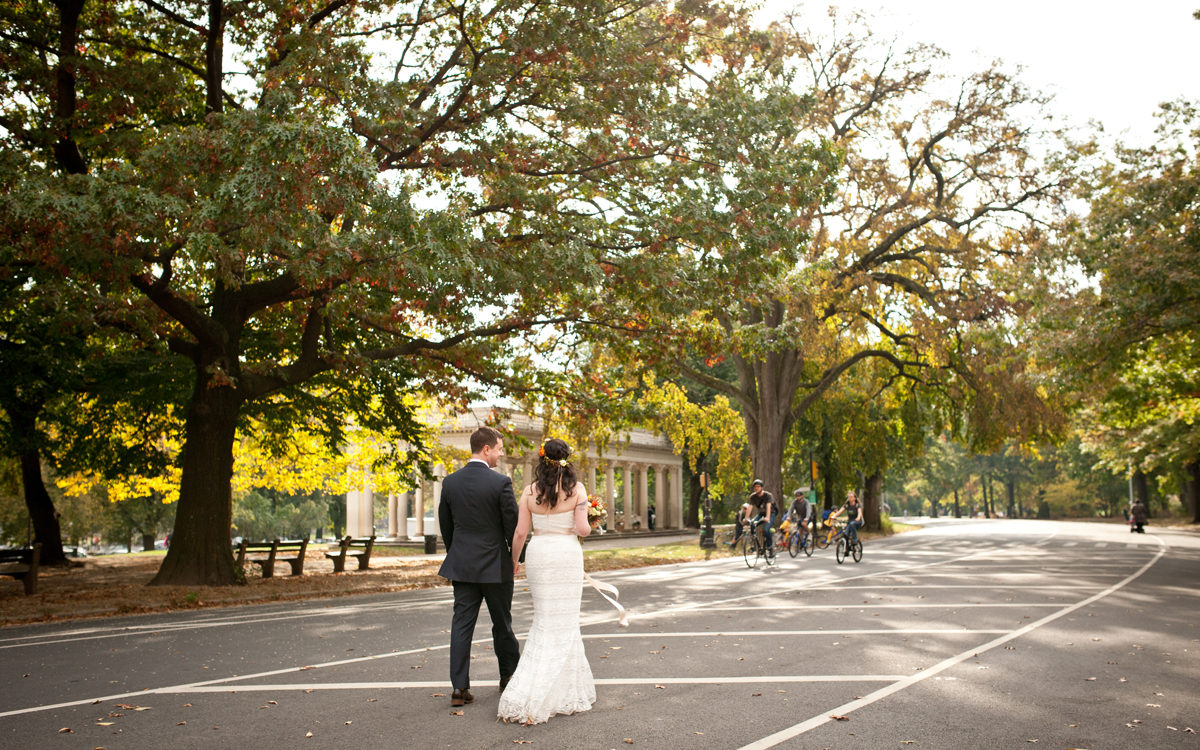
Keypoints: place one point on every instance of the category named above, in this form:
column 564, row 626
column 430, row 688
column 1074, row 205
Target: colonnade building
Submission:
column 635, row 472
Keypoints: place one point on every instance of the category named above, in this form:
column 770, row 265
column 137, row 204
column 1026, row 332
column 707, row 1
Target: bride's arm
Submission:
column 524, row 521
column 582, row 527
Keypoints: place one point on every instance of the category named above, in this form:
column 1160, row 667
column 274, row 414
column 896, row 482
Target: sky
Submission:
column 1112, row 63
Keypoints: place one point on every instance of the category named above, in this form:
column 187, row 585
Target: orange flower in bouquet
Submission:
column 597, row 513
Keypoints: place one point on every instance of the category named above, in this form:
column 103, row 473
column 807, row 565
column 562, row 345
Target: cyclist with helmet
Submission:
column 765, row 513
column 802, row 511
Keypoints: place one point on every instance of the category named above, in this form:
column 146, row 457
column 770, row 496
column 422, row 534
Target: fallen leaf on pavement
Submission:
column 105, row 723
column 522, row 742
column 835, row 717
column 308, row 734
column 456, row 713
column 66, row 730
column 181, row 723
column 437, row 695
column 628, row 741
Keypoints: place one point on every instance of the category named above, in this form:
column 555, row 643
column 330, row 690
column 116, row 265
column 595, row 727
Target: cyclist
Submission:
column 854, row 516
column 801, row 512
column 766, row 512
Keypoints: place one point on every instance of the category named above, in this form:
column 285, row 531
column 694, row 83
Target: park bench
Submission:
column 22, row 564
column 348, row 547
column 294, row 550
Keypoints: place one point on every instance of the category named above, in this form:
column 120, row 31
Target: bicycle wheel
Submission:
column 809, row 541
column 749, row 549
column 841, row 550
column 857, row 551
column 822, row 539
column 793, row 545
column 769, row 554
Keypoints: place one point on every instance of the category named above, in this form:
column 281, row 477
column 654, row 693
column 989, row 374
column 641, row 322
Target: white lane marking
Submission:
column 747, row 679
column 908, row 681
column 891, row 589
column 922, row 605
column 773, row 633
column 100, row 633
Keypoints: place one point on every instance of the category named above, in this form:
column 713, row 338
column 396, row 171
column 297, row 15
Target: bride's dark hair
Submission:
column 553, row 472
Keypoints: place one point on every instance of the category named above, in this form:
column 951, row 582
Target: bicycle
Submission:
column 754, row 546
column 829, row 532
column 724, row 538
column 796, row 539
column 847, row 547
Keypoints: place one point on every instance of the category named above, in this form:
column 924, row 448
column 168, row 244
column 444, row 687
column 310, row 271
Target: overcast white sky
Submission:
column 1109, row 62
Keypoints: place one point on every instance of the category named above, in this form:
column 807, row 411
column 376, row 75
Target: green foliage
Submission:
column 1126, row 346
column 265, row 514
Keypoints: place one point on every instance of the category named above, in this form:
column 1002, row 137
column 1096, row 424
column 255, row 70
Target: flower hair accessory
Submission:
column 559, row 461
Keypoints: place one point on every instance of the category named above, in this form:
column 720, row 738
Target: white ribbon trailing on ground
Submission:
column 604, row 589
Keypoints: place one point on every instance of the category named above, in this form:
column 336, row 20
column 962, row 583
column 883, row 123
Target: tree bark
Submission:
column 46, row 529
column 1141, row 491
column 1191, row 488
column 873, row 502
column 201, row 551
column 1011, row 488
column 957, row 509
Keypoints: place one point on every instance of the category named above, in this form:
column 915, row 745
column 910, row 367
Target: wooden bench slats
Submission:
column 22, row 564
column 349, row 547
column 273, row 550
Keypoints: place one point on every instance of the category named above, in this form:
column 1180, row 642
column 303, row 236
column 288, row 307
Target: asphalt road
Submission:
column 966, row 634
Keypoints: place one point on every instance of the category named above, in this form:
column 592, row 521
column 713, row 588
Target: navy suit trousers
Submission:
column 467, row 598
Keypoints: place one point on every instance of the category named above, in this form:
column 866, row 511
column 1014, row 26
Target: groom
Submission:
column 478, row 515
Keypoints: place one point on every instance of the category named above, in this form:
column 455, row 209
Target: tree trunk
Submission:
column 42, row 514
column 1141, row 491
column 872, row 502
column 147, row 542
column 201, row 552
column 933, row 508
column 957, row 509
column 1191, row 488
column 1011, row 488
column 768, row 435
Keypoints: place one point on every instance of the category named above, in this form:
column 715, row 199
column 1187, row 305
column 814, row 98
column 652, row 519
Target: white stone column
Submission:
column 642, row 501
column 402, row 506
column 659, row 481
column 677, row 491
column 393, row 524
column 352, row 512
column 419, row 506
column 627, row 495
column 610, row 494
column 366, row 506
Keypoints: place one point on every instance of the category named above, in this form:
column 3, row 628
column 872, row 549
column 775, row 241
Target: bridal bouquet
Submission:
column 597, row 513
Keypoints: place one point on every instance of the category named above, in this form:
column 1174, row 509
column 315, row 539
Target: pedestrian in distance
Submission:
column 1137, row 521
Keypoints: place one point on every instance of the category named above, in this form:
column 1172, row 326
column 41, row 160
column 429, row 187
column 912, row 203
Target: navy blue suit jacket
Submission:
column 477, row 516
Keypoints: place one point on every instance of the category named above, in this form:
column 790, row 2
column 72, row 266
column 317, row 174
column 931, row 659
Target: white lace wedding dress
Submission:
column 553, row 675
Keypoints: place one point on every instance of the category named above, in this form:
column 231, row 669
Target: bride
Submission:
column 553, row 675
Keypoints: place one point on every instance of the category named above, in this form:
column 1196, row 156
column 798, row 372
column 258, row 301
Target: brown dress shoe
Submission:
column 461, row 697
column 504, row 682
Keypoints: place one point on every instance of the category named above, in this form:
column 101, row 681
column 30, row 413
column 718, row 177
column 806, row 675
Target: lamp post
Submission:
column 706, row 533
